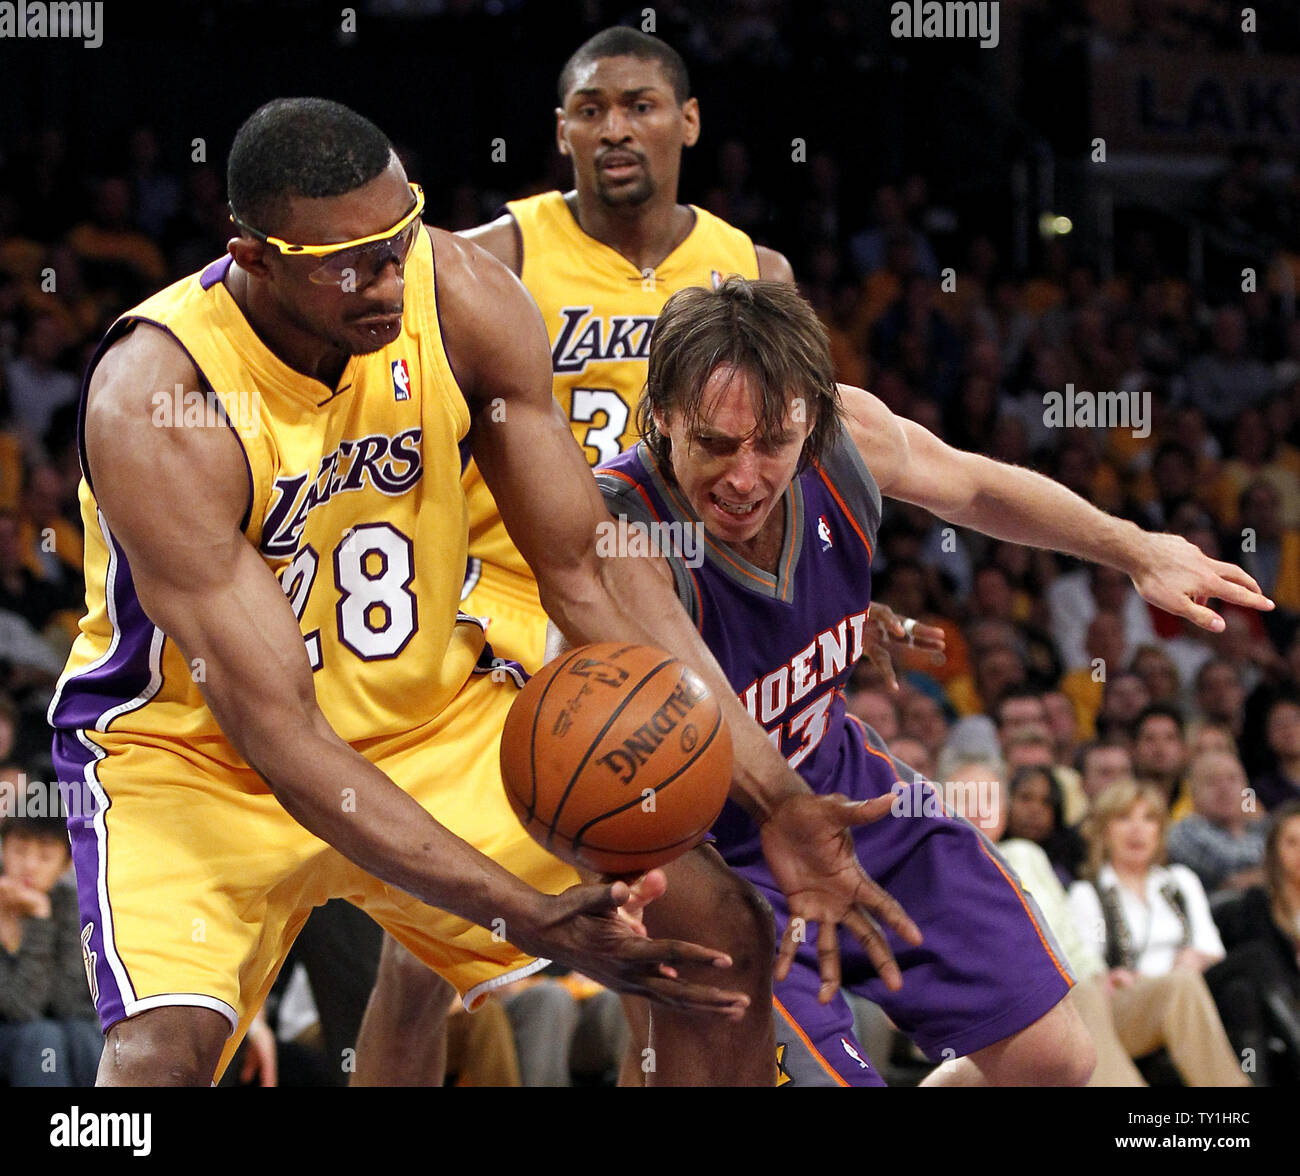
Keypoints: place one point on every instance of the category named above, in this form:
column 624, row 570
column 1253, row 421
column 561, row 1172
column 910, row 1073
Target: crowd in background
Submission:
column 1132, row 748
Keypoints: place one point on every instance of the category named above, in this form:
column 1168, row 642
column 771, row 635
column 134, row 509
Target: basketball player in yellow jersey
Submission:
column 273, row 700
column 600, row 262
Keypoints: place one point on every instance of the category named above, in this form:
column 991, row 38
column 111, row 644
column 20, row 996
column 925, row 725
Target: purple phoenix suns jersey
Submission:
column 786, row 641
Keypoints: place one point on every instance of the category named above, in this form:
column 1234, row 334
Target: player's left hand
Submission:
column 885, row 626
column 808, row 847
column 1180, row 578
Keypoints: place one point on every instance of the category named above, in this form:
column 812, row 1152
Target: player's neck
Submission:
column 304, row 352
column 644, row 234
column 764, row 549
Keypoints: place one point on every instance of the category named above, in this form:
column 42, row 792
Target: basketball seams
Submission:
column 704, row 746
column 532, row 734
column 613, row 718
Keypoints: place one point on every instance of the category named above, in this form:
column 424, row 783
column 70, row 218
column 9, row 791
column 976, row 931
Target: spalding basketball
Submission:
column 616, row 758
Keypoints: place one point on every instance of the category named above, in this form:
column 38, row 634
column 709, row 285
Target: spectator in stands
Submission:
column 1281, row 783
column 1221, row 382
column 868, row 247
column 115, row 254
column 1036, row 812
column 36, row 383
column 1157, row 669
column 49, row 1034
column 1160, row 756
column 913, row 753
column 878, row 710
column 1220, row 695
column 566, row 1027
column 1063, row 722
column 1125, row 698
column 1269, row 551
column 1076, row 597
column 923, row 719
column 1085, row 685
column 1222, row 842
column 1103, row 763
column 1091, row 995
column 1257, row 985
column 1152, row 926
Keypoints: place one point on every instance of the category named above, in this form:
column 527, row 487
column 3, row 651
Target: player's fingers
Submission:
column 879, row 657
column 867, row 932
column 865, row 811
column 788, row 949
column 1238, row 575
column 884, row 908
column 673, row 952
column 1234, row 592
column 699, row 998
column 1199, row 614
column 828, row 961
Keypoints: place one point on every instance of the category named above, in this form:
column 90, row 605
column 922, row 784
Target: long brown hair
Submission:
column 1118, row 801
column 765, row 329
column 1284, row 914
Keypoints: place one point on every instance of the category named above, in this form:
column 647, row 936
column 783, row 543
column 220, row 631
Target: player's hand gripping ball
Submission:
column 616, row 758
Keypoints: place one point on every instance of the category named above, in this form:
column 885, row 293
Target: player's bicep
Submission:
column 173, row 500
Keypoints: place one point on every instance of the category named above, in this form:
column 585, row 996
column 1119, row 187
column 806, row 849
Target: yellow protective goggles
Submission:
column 352, row 262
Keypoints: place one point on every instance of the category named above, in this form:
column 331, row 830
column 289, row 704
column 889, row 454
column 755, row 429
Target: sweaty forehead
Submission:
column 612, row 76
column 370, row 208
column 731, row 404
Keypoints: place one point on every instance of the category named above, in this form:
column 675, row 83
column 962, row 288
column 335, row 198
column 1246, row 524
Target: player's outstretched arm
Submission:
column 174, row 499
column 552, row 507
column 1009, row 502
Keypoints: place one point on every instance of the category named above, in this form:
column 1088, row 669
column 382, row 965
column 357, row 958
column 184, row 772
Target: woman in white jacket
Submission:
column 1152, row 925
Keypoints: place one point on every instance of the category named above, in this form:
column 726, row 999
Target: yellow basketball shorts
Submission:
column 508, row 604
column 194, row 881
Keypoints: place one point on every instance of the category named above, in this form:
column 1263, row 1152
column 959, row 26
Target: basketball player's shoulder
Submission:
column 144, row 361
column 773, row 266
column 500, row 238
column 874, row 431
column 137, row 437
column 484, row 312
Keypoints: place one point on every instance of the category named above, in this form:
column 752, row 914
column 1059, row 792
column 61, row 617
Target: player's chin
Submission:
column 370, row 335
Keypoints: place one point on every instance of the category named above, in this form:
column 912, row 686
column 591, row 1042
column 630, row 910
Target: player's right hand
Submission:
column 808, row 846
column 582, row 929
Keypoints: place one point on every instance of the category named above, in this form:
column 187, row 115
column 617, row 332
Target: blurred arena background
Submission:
column 1108, row 200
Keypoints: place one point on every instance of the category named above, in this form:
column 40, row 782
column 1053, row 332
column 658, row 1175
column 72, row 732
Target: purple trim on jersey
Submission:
column 216, row 272
column 74, row 763
column 84, row 699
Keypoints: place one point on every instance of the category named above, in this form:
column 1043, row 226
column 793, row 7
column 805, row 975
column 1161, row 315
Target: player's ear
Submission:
column 560, row 140
column 249, row 255
column 691, row 122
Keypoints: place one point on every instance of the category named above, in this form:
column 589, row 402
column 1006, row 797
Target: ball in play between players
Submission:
column 616, row 758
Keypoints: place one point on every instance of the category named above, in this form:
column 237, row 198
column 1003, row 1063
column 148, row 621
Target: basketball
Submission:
column 616, row 758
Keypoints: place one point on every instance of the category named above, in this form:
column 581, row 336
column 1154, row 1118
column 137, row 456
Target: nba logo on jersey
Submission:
column 863, row 1064
column 401, row 380
column 824, row 533
column 715, row 278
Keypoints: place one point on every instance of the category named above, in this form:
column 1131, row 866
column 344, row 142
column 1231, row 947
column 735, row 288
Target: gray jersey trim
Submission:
column 623, row 502
column 853, row 481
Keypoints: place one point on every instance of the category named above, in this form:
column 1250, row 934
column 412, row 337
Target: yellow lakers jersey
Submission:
column 355, row 504
column 598, row 309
